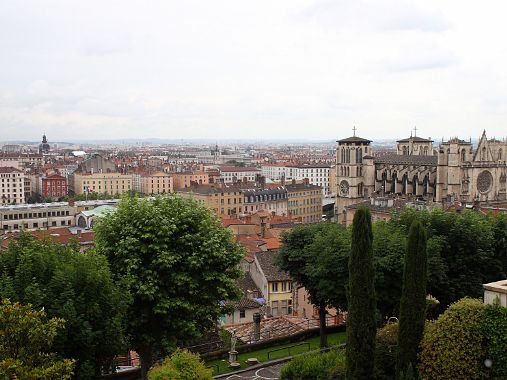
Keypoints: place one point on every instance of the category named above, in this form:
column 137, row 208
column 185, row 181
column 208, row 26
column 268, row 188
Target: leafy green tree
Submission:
column 361, row 327
column 26, row 338
column 316, row 257
column 176, row 261
column 389, row 245
column 72, row 285
column 413, row 299
column 462, row 253
column 494, row 327
column 181, row 365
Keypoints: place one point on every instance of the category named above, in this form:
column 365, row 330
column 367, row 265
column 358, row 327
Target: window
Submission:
column 242, row 313
column 283, row 309
column 274, row 308
column 284, row 286
column 274, row 286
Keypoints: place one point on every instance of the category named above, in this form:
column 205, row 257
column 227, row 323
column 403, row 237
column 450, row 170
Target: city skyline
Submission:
column 298, row 70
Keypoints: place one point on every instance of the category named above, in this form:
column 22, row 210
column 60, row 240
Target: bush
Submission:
column 385, row 351
column 317, row 366
column 181, row 365
column 495, row 332
column 453, row 346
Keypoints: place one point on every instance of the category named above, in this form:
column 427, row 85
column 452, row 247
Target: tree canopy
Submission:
column 72, row 285
column 177, row 263
column 26, row 338
column 316, row 257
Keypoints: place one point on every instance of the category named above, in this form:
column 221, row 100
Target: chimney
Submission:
column 257, row 327
column 79, row 234
column 293, row 181
column 263, row 228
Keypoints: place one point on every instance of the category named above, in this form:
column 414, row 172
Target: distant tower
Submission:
column 354, row 171
column 216, row 154
column 44, row 146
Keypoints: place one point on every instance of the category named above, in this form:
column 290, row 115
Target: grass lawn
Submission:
column 282, row 351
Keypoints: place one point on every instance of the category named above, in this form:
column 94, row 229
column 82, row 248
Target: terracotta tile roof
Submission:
column 57, row 235
column 267, row 263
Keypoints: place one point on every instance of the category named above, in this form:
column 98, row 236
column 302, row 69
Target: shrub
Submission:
column 181, row 365
column 317, row 366
column 385, row 351
column 453, row 346
column 495, row 332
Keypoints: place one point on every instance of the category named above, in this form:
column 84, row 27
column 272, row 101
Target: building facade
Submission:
column 12, row 186
column 53, row 186
column 453, row 171
column 304, row 202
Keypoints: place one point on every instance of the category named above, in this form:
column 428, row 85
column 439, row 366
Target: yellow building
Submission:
column 304, row 201
column 275, row 285
column 110, row 183
column 222, row 199
column 156, row 183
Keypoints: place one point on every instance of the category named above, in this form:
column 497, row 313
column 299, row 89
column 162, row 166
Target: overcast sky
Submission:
column 252, row 69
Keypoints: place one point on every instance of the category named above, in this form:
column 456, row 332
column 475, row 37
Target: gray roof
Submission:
column 267, row 263
column 415, row 139
column 276, row 190
column 354, row 139
column 406, row 159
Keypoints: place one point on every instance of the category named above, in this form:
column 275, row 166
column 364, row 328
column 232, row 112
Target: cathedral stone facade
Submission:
column 451, row 171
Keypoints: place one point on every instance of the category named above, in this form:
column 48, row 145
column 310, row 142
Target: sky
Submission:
column 274, row 69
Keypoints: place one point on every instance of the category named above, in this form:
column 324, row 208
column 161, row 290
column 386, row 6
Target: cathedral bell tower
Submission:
column 354, row 166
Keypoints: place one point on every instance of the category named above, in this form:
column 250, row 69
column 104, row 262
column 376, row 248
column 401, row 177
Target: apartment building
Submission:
column 102, row 182
column 152, row 182
column 35, row 216
column 317, row 173
column 232, row 174
column 182, row 180
column 222, row 199
column 304, row 201
column 53, row 186
column 271, row 200
column 12, row 186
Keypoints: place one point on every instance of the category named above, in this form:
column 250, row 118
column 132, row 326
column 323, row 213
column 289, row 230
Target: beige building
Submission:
column 155, row 183
column 304, row 202
column 222, row 199
column 12, row 186
column 110, row 183
column 182, row 180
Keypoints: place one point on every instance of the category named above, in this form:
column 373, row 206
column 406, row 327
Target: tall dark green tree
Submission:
column 176, row 261
column 316, row 257
column 413, row 299
column 361, row 326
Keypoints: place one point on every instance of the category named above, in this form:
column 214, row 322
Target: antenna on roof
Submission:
column 415, row 131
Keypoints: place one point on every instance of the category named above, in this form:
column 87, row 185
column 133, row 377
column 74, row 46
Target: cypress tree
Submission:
column 361, row 327
column 413, row 298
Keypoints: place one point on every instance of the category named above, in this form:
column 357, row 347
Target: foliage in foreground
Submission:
column 26, row 338
column 413, row 299
column 72, row 285
column 361, row 324
column 176, row 261
column 318, row 366
column 455, row 346
column 316, row 257
column 181, row 365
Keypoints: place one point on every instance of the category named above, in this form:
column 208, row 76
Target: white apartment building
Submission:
column 12, row 186
column 231, row 174
column 317, row 173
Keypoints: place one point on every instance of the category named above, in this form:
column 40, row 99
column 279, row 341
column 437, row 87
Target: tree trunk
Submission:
column 146, row 356
column 322, row 324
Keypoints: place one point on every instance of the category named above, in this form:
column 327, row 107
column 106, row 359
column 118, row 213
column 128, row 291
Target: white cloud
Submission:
column 299, row 69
